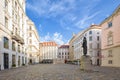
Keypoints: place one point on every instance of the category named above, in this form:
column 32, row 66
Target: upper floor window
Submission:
column 90, row 45
column 6, row 42
column 19, row 48
column 6, row 4
column 109, row 24
column 30, row 41
column 30, row 28
column 22, row 49
column 13, row 46
column 30, row 34
column 15, row 4
column 98, row 46
column 97, row 32
column 6, row 22
column 98, row 38
column 90, row 32
column 98, row 54
column 110, row 53
column 110, row 38
column 90, row 38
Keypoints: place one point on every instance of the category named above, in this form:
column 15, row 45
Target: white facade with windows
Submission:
column 13, row 34
column 32, row 42
column 93, row 37
column 48, row 50
column 12, row 29
column 63, row 52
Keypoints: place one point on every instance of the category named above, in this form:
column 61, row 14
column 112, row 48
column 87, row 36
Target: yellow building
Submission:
column 111, row 40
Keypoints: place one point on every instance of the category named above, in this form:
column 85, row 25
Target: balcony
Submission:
column 17, row 37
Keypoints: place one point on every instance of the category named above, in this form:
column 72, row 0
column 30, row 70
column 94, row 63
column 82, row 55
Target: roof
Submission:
column 51, row 43
column 64, row 46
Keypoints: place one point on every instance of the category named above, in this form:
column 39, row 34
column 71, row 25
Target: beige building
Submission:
column 12, row 30
column 48, row 50
column 93, row 37
column 32, row 42
column 111, row 40
column 71, row 48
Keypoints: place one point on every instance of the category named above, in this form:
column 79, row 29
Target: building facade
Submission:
column 48, row 50
column 111, row 40
column 71, row 48
column 12, row 29
column 93, row 37
column 32, row 42
column 63, row 52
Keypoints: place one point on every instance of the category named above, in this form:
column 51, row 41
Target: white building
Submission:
column 48, row 50
column 32, row 42
column 93, row 37
column 63, row 52
column 12, row 29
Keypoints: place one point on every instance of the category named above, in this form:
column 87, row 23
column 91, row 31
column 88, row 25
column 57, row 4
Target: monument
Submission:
column 85, row 59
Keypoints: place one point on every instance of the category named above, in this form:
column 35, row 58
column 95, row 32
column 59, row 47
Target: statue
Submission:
column 84, row 45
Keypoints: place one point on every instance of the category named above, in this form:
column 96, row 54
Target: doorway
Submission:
column 98, row 62
column 6, row 61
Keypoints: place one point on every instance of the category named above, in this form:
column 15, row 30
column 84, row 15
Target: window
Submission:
column 90, row 32
column 30, row 41
column 110, row 38
column 98, row 46
column 98, row 54
column 30, row 28
column 98, row 38
column 59, row 53
column 6, row 43
column 19, row 48
column 6, row 4
column 30, row 35
column 110, row 53
column 68, row 53
column 6, row 22
column 90, row 45
column 110, row 61
column 22, row 49
column 97, row 32
column 15, row 4
column 90, row 38
column 13, row 46
column 109, row 24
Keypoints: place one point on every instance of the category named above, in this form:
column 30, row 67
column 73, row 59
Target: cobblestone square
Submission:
column 59, row 72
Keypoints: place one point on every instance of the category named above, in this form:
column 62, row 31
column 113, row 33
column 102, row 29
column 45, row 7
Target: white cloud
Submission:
column 48, row 8
column 57, row 37
column 86, row 20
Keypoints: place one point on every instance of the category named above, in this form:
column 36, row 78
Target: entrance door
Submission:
column 6, row 61
column 98, row 63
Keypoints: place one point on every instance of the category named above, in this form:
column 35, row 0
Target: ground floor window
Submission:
column 13, row 61
column 110, row 62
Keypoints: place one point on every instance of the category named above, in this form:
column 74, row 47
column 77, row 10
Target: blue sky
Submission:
column 57, row 20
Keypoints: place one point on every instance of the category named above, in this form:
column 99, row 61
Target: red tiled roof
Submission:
column 49, row 44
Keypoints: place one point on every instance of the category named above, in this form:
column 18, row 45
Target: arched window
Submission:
column 6, row 43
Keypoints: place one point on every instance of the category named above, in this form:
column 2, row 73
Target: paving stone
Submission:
column 59, row 72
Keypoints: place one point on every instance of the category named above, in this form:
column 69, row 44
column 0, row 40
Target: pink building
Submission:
column 111, row 40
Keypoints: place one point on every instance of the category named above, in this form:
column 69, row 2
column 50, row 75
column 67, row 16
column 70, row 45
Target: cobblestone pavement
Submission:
column 59, row 72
